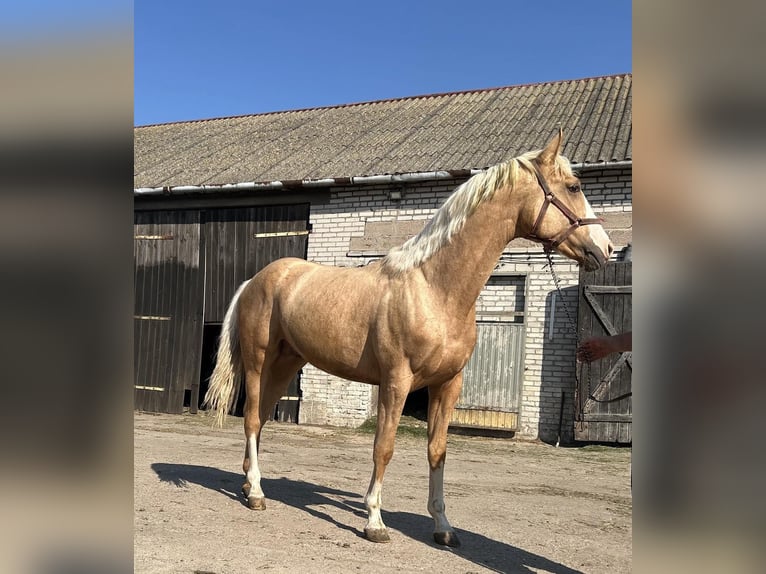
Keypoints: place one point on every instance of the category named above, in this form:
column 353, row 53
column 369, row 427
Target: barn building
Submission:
column 216, row 200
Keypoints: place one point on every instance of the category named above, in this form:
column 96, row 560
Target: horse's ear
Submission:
column 548, row 155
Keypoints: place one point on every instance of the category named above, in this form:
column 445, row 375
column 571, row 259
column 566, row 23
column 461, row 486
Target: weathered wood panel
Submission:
column 190, row 260
column 480, row 418
column 239, row 242
column 604, row 404
column 168, row 309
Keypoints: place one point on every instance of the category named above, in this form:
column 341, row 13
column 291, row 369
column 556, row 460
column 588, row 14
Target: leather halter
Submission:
column 575, row 222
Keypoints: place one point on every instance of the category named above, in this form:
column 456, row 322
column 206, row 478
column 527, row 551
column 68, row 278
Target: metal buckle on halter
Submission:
column 575, row 222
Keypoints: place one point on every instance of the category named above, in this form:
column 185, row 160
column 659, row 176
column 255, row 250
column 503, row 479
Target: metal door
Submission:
column 491, row 391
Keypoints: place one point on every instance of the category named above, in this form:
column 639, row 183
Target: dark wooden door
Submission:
column 167, row 309
column 239, row 242
column 604, row 404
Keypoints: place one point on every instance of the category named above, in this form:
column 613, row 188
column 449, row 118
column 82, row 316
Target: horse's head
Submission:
column 558, row 215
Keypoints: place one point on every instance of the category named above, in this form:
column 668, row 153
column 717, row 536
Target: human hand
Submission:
column 594, row 349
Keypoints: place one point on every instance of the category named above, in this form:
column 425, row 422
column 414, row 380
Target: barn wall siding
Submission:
column 337, row 229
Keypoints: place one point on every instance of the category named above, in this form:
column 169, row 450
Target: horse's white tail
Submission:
column 228, row 373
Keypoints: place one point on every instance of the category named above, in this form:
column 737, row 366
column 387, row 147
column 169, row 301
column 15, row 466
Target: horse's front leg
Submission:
column 441, row 403
column 391, row 398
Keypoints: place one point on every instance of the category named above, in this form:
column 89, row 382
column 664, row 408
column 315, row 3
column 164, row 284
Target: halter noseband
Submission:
column 575, row 222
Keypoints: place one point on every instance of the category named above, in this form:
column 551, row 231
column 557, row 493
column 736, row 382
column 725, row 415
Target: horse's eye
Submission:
column 574, row 188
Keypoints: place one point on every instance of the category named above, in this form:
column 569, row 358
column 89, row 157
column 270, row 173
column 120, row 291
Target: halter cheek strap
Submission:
column 574, row 221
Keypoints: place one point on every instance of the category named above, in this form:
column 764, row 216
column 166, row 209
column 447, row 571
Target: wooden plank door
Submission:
column 239, row 242
column 604, row 406
column 167, row 309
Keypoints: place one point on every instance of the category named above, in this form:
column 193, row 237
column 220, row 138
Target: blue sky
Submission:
column 203, row 59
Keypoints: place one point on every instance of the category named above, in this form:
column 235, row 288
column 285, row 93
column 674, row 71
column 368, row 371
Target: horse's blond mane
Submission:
column 458, row 207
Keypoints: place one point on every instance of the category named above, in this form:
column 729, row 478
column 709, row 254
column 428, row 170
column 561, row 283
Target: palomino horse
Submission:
column 402, row 323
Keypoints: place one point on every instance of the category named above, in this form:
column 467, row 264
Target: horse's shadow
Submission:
column 488, row 553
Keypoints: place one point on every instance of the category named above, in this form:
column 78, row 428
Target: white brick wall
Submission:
column 549, row 355
column 503, row 295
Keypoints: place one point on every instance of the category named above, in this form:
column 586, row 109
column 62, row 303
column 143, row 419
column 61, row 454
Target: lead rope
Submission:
column 573, row 326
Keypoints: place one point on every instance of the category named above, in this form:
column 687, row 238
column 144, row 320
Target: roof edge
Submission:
column 602, row 164
column 287, row 185
column 385, row 100
column 305, row 183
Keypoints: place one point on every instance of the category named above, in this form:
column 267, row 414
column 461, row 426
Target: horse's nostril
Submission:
column 609, row 250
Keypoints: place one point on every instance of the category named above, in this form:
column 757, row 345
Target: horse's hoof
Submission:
column 246, row 489
column 377, row 535
column 256, row 503
column 447, row 539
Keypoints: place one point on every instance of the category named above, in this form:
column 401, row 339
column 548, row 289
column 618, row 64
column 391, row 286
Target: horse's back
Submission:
column 284, row 265
column 272, row 278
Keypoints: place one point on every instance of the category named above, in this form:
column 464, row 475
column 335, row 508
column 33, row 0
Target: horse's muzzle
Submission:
column 594, row 259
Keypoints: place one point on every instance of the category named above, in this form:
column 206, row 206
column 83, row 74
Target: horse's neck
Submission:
column 460, row 269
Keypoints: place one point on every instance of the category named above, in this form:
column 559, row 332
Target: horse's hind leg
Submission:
column 441, row 402
column 278, row 371
column 253, row 423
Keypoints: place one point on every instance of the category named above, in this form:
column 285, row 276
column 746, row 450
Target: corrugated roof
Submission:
column 464, row 130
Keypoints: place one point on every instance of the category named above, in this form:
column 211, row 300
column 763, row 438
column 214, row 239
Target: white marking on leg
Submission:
column 373, row 502
column 254, row 473
column 436, row 499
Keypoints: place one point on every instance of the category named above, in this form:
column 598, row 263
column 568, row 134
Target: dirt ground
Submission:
column 517, row 506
